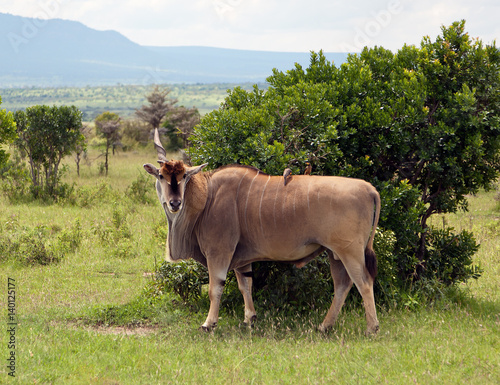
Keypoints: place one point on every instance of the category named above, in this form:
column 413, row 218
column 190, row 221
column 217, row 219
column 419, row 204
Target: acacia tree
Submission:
column 45, row 135
column 108, row 126
column 159, row 105
column 421, row 124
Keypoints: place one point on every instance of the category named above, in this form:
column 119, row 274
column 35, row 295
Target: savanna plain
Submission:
column 106, row 246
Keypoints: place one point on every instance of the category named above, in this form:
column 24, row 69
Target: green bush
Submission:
column 90, row 196
column 115, row 233
column 278, row 285
column 184, row 278
column 39, row 245
column 114, row 229
column 17, row 185
column 388, row 282
column 70, row 239
column 15, row 181
column 449, row 256
column 140, row 190
column 32, row 248
column 412, row 123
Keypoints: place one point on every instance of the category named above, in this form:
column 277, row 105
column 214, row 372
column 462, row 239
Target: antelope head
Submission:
column 172, row 178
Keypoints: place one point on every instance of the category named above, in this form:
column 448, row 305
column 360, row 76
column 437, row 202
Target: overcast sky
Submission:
column 272, row 25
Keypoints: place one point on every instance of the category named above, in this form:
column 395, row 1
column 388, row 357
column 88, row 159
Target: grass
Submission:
column 61, row 337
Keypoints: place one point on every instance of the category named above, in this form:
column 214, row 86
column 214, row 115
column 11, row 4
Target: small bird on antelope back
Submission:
column 308, row 169
column 287, row 175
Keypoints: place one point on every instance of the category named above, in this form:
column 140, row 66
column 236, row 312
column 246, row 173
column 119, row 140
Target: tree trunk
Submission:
column 77, row 160
column 107, row 153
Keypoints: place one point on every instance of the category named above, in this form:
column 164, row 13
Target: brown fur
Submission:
column 237, row 215
column 173, row 168
column 237, row 165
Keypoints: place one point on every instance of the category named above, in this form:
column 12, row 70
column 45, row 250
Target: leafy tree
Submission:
column 421, row 124
column 7, row 133
column 108, row 126
column 180, row 123
column 135, row 132
column 45, row 135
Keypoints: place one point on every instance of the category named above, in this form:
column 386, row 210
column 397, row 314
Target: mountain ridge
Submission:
column 57, row 52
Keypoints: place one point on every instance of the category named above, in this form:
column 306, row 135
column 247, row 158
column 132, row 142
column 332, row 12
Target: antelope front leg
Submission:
column 215, row 288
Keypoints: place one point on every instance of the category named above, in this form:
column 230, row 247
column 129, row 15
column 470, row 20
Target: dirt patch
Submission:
column 123, row 330
column 112, row 274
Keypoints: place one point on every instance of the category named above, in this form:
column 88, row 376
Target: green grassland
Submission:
column 61, row 339
column 121, row 99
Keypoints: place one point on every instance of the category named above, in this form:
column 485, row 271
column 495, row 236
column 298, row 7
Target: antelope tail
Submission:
column 370, row 257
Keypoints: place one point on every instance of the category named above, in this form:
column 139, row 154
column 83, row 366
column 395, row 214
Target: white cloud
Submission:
column 295, row 25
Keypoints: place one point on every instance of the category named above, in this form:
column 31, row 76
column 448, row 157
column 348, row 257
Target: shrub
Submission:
column 28, row 246
column 90, row 196
column 279, row 285
column 70, row 239
column 140, row 190
column 15, row 181
column 411, row 123
column 449, row 256
column 39, row 245
column 115, row 234
column 33, row 249
column 114, row 229
column 184, row 278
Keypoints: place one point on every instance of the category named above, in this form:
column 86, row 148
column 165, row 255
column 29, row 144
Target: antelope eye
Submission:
column 184, row 176
column 161, row 176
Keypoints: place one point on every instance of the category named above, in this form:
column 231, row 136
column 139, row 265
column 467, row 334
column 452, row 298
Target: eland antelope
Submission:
column 233, row 216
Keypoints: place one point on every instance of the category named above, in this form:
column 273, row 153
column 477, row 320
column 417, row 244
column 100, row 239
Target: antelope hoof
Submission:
column 250, row 323
column 373, row 331
column 324, row 329
column 207, row 329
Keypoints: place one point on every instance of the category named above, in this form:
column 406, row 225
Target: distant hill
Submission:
column 59, row 52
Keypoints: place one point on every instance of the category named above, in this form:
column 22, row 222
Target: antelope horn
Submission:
column 162, row 154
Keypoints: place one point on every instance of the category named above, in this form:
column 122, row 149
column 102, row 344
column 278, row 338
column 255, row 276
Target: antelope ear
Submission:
column 190, row 171
column 152, row 170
